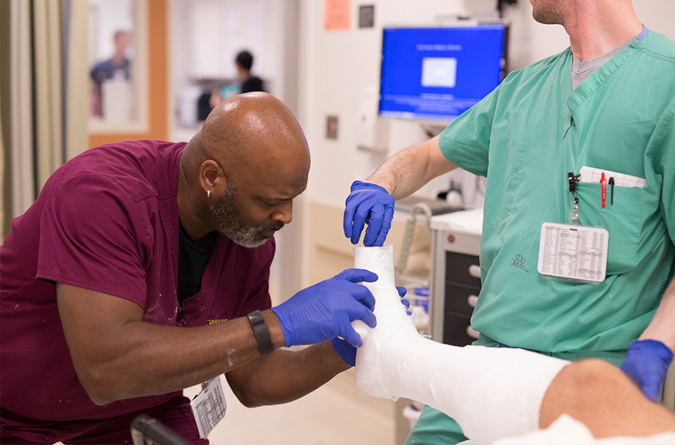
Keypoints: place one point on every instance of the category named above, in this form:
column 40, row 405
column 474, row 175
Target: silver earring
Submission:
column 208, row 194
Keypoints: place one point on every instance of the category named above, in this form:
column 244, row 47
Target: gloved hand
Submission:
column 326, row 309
column 646, row 363
column 372, row 204
column 348, row 352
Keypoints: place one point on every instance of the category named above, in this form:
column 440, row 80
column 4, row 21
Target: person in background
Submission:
column 607, row 103
column 247, row 82
column 143, row 268
column 244, row 62
column 116, row 67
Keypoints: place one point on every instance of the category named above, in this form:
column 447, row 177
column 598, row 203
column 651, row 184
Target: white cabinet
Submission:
column 455, row 275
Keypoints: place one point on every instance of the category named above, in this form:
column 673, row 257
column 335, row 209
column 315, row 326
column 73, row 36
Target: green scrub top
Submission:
column 525, row 137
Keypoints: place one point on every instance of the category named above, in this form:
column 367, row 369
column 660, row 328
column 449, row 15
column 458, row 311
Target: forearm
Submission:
column 118, row 355
column 117, row 359
column 285, row 375
column 408, row 170
column 161, row 359
column 661, row 327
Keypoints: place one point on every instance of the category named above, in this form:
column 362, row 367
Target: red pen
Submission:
column 603, row 183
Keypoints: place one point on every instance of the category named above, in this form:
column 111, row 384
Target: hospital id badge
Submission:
column 573, row 252
column 209, row 406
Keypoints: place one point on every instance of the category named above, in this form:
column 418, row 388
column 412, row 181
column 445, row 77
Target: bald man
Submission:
column 143, row 268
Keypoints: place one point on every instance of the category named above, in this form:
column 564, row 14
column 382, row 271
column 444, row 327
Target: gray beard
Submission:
column 230, row 224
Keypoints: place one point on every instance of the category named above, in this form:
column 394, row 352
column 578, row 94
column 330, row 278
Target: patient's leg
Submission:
column 599, row 395
column 492, row 393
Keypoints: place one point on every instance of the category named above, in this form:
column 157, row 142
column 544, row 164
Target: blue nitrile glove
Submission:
column 372, row 204
column 348, row 352
column 327, row 309
column 646, row 363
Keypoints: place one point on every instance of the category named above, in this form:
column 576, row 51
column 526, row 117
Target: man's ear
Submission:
column 211, row 176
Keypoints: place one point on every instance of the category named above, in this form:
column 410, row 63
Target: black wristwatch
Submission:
column 261, row 332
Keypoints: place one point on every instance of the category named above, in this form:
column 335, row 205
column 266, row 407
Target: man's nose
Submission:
column 284, row 212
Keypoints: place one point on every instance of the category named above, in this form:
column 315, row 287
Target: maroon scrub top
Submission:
column 107, row 221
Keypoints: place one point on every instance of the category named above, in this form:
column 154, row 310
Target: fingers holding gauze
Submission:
column 325, row 310
column 368, row 204
column 375, row 223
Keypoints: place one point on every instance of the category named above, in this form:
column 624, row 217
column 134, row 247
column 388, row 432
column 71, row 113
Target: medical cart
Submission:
column 455, row 275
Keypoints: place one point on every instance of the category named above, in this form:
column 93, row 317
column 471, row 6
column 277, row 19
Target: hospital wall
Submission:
column 337, row 66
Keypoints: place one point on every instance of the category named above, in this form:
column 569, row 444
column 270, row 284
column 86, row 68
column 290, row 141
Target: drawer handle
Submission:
column 472, row 332
column 472, row 300
column 474, row 271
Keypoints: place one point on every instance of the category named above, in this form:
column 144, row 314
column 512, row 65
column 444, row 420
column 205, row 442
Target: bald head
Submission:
column 251, row 147
column 250, row 125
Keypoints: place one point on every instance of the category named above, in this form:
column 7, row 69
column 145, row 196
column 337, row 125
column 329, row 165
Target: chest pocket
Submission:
column 623, row 218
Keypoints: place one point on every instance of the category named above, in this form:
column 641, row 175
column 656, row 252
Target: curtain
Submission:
column 48, row 94
column 44, row 103
column 76, row 83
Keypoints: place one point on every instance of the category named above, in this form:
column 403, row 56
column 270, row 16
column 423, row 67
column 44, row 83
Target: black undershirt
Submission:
column 193, row 257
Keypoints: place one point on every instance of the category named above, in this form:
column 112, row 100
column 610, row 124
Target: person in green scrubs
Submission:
column 607, row 103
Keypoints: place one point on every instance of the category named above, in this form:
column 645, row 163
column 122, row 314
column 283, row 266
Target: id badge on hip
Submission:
column 573, row 252
column 209, row 406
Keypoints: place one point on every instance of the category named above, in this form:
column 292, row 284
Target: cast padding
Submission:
column 491, row 392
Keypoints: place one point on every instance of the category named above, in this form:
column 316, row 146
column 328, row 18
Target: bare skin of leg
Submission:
column 600, row 396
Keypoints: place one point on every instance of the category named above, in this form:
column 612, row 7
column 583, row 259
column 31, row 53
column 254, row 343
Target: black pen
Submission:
column 611, row 182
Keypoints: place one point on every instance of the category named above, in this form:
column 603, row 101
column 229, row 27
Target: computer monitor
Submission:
column 435, row 74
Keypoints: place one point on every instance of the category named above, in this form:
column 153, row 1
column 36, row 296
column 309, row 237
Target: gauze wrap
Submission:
column 491, row 392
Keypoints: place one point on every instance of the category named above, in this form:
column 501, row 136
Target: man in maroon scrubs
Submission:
column 143, row 269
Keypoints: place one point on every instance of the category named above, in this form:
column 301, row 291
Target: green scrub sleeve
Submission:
column 466, row 141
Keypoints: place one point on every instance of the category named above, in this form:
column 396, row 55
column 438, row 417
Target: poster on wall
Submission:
column 337, row 14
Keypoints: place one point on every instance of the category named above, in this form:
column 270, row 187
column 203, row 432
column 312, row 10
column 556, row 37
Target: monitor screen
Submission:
column 438, row 73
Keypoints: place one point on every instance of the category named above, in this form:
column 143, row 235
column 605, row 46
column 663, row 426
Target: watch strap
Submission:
column 261, row 332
